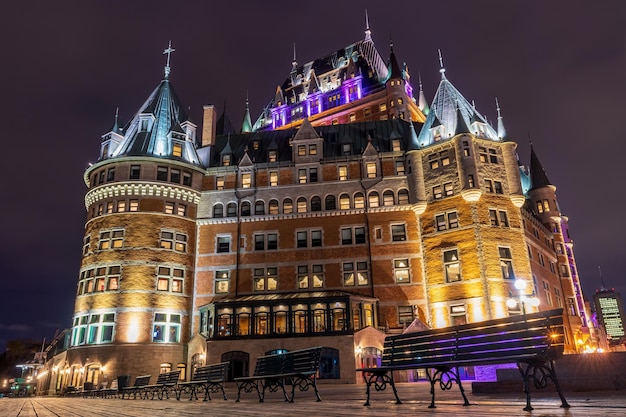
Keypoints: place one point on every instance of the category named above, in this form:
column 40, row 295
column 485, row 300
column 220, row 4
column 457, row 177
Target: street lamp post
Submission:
column 522, row 298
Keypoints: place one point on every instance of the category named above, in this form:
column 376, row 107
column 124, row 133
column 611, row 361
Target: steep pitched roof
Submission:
column 538, row 177
column 447, row 107
column 156, row 127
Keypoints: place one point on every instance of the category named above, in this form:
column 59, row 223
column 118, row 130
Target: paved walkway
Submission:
column 338, row 401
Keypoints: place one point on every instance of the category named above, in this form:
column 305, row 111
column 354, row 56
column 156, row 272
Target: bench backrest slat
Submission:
column 536, row 334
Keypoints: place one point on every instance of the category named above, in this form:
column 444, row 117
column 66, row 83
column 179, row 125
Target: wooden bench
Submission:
column 110, row 391
column 141, row 382
column 209, row 378
column 532, row 341
column 298, row 367
column 166, row 381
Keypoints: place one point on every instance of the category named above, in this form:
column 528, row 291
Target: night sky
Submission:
column 557, row 67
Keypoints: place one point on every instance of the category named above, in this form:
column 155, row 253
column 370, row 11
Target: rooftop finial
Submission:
column 498, row 108
column 294, row 63
column 501, row 129
column 168, row 51
column 368, row 32
column 117, row 112
column 442, row 70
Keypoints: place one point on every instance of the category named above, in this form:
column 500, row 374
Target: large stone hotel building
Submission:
column 349, row 210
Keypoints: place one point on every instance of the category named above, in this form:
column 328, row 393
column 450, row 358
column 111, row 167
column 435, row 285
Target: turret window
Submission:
column 170, row 279
column 161, row 174
column 177, row 150
column 506, row 263
column 543, row 206
column 173, row 240
column 111, row 239
column 166, row 328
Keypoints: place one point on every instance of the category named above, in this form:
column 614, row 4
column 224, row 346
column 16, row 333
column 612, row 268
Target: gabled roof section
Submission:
column 306, row 131
column 538, row 177
column 447, row 107
column 156, row 127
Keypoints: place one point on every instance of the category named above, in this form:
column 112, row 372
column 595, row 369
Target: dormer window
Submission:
column 226, row 160
column 301, row 150
column 255, row 145
column 395, row 145
column 346, row 149
column 272, row 156
column 312, row 149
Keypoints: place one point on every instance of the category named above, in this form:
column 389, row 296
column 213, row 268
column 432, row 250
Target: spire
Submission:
column 116, row 125
column 368, row 32
column 538, row 177
column 168, row 52
column 294, row 63
column 461, row 126
column 442, row 70
column 246, row 126
column 501, row 130
column 394, row 68
column 421, row 102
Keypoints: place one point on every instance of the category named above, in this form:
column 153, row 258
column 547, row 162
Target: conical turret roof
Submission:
column 157, row 126
column 538, row 177
column 451, row 109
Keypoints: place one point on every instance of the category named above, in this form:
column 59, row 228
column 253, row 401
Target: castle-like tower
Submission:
column 350, row 210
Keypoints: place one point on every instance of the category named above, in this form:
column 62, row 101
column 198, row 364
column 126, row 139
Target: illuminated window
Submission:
column 373, row 199
column 446, row 221
column 403, row 197
column 170, row 279
column 181, row 210
column 437, row 192
column 222, row 281
column 399, row 167
column 466, row 149
column 448, row 190
column 111, row 239
column 371, row 170
column 265, row 279
column 359, row 201
column 273, row 207
column 382, row 107
column 343, row 172
column 246, row 180
column 273, row 178
column 301, row 150
column 470, row 181
column 489, row 186
column 506, row 263
column 226, row 160
column 169, row 207
column 352, row 117
column 121, row 206
column 388, row 198
column 173, row 240
column 313, row 280
column 313, row 149
column 405, row 315
column 93, row 329
column 344, row 202
column 133, row 205
column 219, row 183
column 272, row 156
column 451, row 265
column 287, row 206
column 166, row 328
column 355, row 273
column 401, row 271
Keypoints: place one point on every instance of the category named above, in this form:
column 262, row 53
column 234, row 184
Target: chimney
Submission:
column 209, row 121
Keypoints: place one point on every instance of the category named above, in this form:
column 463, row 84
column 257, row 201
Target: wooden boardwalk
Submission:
column 338, row 401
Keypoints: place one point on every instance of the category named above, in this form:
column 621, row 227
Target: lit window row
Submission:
column 99, row 279
column 170, row 279
column 345, row 202
column 93, row 329
column 117, row 206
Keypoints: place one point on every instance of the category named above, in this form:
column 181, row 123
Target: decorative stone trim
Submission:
column 139, row 190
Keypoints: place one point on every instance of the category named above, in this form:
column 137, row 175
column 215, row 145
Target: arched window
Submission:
column 302, row 206
column 388, row 198
column 231, row 210
column 218, row 211
column 273, row 207
column 259, row 207
column 403, row 197
column 287, row 206
column 359, row 201
column 316, row 204
column 238, row 363
column 374, row 199
column 330, row 203
column 344, row 202
column 183, row 371
column 245, row 208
